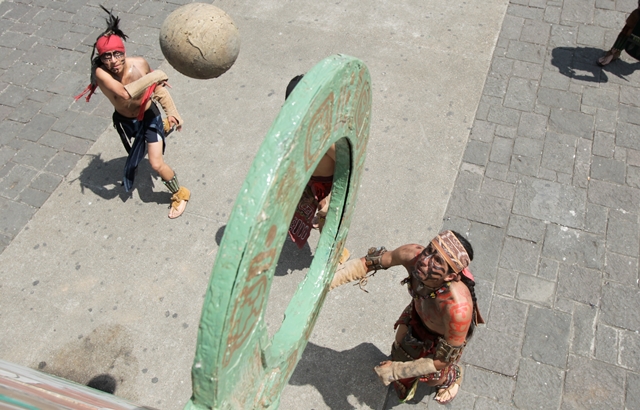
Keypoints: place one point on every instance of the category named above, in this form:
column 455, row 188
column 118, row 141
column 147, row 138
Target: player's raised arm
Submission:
column 376, row 259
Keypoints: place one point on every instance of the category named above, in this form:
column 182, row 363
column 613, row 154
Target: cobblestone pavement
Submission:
column 548, row 189
column 45, row 48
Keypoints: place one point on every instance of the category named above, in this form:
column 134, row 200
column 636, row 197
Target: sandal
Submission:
column 179, row 202
column 446, row 395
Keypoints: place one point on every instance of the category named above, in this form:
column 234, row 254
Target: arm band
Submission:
column 404, row 370
column 347, row 272
column 161, row 94
column 136, row 88
column 447, row 353
column 373, row 259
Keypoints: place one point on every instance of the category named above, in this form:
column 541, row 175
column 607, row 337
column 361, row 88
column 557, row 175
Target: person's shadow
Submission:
column 104, row 178
column 339, row 375
column 581, row 63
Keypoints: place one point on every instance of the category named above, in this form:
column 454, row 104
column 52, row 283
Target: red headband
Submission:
column 109, row 42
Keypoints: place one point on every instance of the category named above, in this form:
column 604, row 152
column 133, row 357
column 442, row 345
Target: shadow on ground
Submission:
column 342, row 378
column 104, row 178
column 580, row 63
column 103, row 382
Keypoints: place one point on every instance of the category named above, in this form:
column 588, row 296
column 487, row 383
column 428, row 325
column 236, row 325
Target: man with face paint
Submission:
column 433, row 330
column 132, row 88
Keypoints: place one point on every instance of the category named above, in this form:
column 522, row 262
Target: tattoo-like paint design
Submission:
column 459, row 319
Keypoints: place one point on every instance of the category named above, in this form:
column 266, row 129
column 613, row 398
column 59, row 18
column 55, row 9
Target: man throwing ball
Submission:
column 133, row 89
column 433, row 330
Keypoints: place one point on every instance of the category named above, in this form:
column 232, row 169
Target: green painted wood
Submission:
column 237, row 365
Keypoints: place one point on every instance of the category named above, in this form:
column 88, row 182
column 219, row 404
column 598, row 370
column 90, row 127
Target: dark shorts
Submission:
column 135, row 135
column 150, row 127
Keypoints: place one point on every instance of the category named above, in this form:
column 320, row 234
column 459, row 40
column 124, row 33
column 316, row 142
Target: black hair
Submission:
column 468, row 282
column 113, row 28
column 292, row 84
column 471, row 285
column 465, row 244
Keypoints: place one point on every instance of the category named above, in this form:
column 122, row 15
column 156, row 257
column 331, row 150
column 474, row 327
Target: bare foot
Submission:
column 608, row 58
column 177, row 211
column 603, row 61
column 318, row 222
column 179, row 202
column 444, row 396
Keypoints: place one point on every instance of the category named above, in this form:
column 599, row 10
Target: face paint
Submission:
column 430, row 267
column 114, row 55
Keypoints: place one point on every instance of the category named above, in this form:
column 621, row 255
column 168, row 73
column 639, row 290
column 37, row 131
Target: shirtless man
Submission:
column 628, row 39
column 130, row 85
column 436, row 326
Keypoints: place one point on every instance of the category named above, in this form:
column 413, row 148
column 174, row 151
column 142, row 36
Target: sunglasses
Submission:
column 115, row 55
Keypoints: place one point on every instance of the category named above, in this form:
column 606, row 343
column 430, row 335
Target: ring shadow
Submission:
column 338, row 375
column 573, row 61
column 104, row 178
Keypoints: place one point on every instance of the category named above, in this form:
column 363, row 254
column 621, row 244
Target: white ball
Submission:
column 199, row 40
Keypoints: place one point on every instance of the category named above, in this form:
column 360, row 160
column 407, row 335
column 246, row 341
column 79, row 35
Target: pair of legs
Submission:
column 443, row 396
column 154, row 150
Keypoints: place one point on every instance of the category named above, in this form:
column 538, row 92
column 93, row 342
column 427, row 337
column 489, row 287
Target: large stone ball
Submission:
column 200, row 40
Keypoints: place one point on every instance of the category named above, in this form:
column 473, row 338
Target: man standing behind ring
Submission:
column 131, row 86
column 435, row 327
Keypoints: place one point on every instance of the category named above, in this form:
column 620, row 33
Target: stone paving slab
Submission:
column 568, row 266
column 547, row 191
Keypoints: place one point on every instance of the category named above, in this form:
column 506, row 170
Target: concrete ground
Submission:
column 488, row 118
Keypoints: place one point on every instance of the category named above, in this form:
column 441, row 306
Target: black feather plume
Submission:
column 112, row 25
column 113, row 28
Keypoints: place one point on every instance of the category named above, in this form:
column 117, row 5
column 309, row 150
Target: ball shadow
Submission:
column 103, row 382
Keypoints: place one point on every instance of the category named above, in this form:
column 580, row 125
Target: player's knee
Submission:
column 156, row 164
